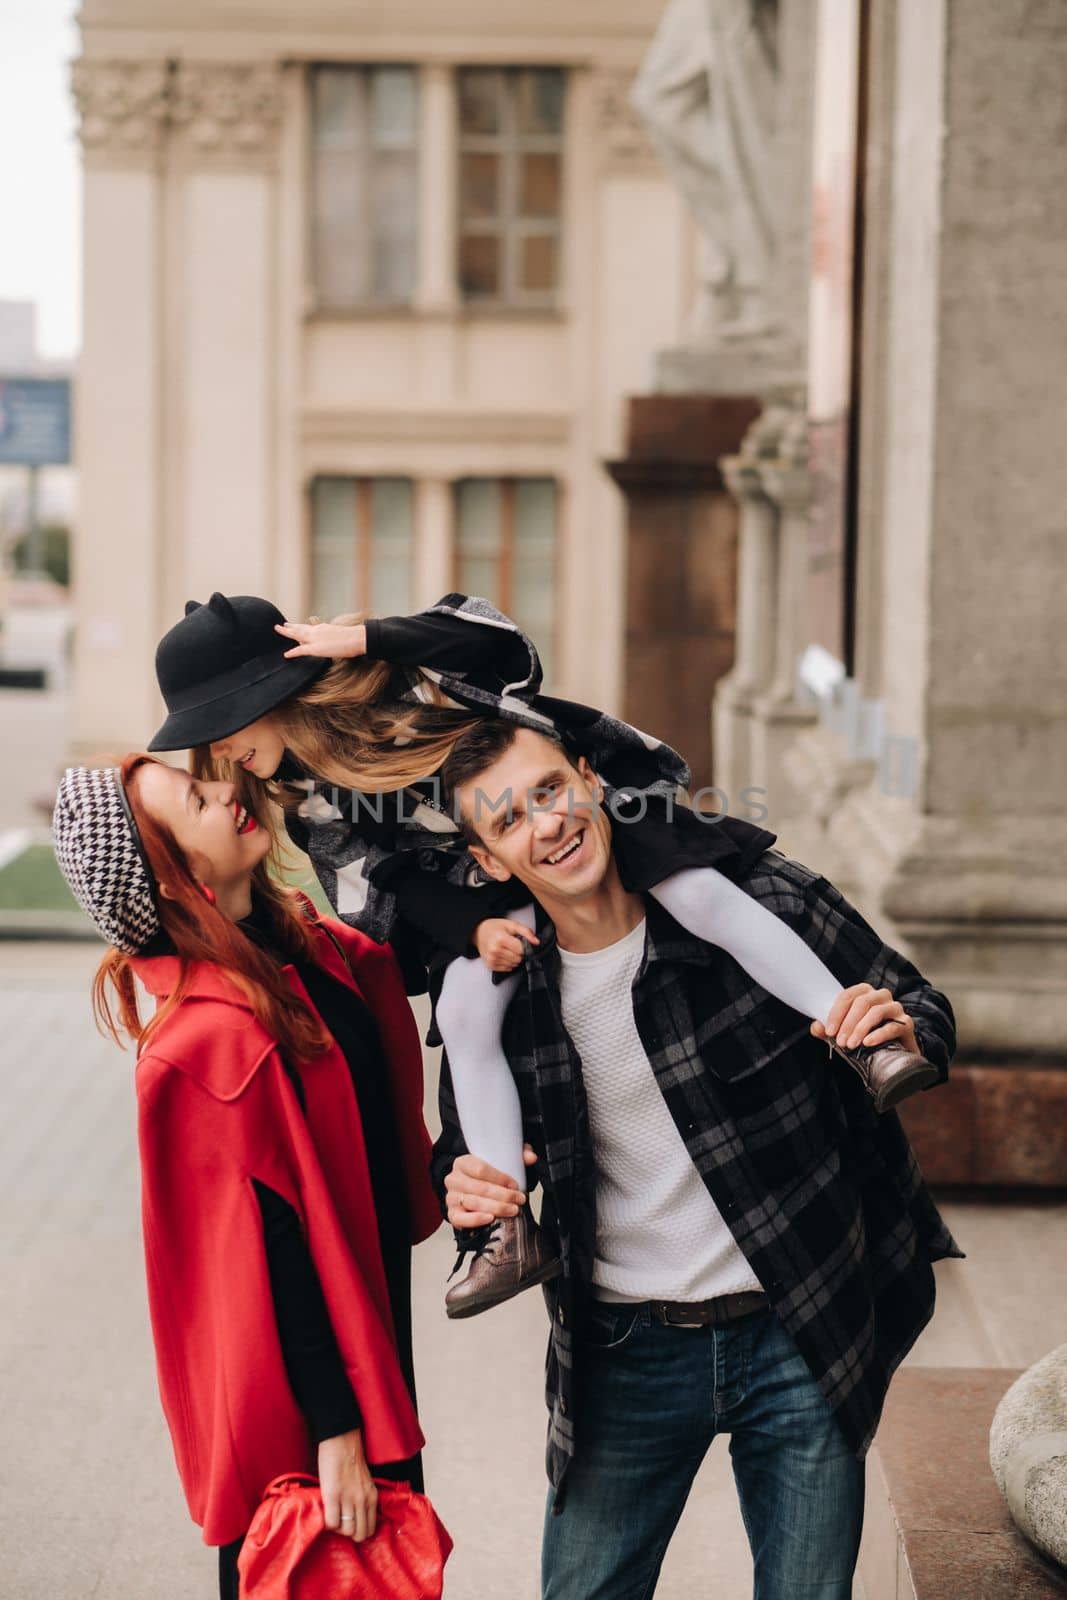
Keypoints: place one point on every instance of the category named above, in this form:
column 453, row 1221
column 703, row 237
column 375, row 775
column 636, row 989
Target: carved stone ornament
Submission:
column 226, row 107
column 211, row 111
column 122, row 105
column 624, row 145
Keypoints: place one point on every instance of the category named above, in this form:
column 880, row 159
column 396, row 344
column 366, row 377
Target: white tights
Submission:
column 470, row 1011
column 470, row 1014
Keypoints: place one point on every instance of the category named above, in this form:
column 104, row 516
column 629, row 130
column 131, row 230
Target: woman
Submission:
column 283, row 1153
column 381, row 707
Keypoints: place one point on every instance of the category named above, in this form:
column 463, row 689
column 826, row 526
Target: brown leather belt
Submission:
column 708, row 1313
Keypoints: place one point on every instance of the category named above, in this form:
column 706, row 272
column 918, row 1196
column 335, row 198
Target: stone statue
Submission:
column 707, row 93
column 1028, row 1453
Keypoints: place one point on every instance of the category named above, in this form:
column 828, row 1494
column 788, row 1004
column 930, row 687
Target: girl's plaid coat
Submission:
column 483, row 662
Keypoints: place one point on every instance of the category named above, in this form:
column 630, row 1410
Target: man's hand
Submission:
column 349, row 1495
column 860, row 1009
column 478, row 1193
column 332, row 641
column 498, row 942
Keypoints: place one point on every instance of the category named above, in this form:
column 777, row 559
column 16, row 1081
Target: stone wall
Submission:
column 962, row 522
column 996, row 692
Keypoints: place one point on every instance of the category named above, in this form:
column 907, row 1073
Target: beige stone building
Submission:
column 370, row 293
column 365, row 289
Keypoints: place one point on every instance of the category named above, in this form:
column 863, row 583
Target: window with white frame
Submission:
column 363, row 189
column 505, row 549
column 510, row 184
column 362, row 545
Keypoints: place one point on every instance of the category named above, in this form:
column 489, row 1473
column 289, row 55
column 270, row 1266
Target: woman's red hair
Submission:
column 199, row 932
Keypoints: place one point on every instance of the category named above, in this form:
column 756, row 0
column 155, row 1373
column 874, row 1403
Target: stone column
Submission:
column 437, row 283
column 436, row 287
column 432, row 576
column 778, row 714
column 847, row 748
column 123, row 107
column 970, row 864
column 178, row 408
column 757, row 711
column 757, row 599
column 223, row 262
column 291, row 576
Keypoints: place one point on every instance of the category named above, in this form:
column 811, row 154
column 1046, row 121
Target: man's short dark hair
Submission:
column 475, row 751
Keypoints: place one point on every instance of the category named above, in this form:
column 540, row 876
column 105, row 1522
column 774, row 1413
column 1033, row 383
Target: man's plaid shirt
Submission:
column 822, row 1195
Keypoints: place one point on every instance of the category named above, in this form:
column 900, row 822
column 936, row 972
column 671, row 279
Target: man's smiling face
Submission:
column 538, row 818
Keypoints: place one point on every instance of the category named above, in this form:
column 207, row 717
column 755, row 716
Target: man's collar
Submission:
column 665, row 939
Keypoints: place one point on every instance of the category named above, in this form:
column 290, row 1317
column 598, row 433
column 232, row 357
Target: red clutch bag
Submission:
column 290, row 1554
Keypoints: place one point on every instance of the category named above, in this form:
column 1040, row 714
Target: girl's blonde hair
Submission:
column 349, row 728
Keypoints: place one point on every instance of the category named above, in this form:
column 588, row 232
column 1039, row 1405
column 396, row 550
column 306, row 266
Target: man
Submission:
column 746, row 1245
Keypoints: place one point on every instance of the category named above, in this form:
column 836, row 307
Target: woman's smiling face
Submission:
column 259, row 748
column 220, row 840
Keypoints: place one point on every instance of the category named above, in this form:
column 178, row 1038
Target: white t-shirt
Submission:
column 659, row 1234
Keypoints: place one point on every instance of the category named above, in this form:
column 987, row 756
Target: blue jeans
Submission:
column 652, row 1400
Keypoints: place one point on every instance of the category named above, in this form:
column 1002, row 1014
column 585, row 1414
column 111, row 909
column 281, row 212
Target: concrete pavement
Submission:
column 35, row 724
column 89, row 1502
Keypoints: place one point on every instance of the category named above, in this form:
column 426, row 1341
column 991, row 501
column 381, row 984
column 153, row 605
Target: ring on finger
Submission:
column 348, row 1517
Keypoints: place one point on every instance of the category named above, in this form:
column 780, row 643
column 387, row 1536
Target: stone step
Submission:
column 936, row 1525
column 993, row 1126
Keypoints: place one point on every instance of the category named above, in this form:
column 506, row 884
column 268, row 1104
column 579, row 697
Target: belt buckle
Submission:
column 674, row 1316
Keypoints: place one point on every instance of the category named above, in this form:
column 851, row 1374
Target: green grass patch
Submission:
column 33, row 882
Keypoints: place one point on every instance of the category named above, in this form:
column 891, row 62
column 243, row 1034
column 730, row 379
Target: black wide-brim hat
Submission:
column 222, row 667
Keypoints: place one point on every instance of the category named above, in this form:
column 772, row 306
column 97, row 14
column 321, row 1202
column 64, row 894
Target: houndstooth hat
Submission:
column 100, row 854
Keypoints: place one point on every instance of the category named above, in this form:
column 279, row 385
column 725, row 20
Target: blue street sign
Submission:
column 34, row 422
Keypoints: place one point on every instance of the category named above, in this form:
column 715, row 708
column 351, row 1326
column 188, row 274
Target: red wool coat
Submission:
column 215, row 1110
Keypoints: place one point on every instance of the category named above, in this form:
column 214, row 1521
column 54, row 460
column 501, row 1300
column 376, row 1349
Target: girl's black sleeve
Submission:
column 309, row 1349
column 447, row 913
column 489, row 655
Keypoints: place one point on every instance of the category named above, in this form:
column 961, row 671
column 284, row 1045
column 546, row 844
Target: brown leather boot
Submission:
column 510, row 1255
column 888, row 1072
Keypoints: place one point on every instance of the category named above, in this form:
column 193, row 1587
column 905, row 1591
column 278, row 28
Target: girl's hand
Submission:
column 349, row 1495
column 498, row 942
column 332, row 641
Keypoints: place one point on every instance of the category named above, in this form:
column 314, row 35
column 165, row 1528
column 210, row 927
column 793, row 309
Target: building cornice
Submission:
column 577, row 28
column 343, row 423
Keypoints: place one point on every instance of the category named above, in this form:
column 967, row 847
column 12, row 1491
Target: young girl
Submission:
column 283, row 1150
column 368, row 734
